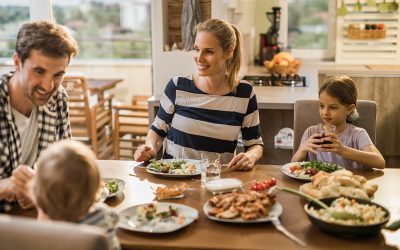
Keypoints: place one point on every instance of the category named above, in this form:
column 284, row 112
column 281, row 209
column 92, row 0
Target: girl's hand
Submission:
column 334, row 146
column 243, row 161
column 144, row 153
column 312, row 144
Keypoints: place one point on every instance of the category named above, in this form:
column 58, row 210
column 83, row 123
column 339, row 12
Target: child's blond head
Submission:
column 67, row 180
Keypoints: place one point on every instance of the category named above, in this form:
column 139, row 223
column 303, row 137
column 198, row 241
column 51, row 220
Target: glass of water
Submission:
column 211, row 167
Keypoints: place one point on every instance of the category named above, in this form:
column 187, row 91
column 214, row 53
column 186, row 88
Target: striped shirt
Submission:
column 194, row 122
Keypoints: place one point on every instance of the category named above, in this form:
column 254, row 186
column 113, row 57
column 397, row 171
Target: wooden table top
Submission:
column 95, row 85
column 208, row 234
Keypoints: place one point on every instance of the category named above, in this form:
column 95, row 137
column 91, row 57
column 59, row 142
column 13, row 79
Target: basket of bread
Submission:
column 339, row 183
column 283, row 63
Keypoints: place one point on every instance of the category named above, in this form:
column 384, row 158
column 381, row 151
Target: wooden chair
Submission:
column 102, row 128
column 306, row 113
column 130, row 129
column 79, row 110
column 29, row 234
column 139, row 102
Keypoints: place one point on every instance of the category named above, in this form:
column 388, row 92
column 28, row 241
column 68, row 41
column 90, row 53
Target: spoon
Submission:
column 393, row 6
column 341, row 11
column 383, row 7
column 357, row 6
column 371, row 3
column 341, row 215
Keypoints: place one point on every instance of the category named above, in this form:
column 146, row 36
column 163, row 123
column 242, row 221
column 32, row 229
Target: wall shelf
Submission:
column 368, row 51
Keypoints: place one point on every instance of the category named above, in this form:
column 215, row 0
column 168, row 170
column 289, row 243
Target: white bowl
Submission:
column 223, row 185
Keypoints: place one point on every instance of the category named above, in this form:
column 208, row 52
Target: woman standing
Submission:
column 207, row 111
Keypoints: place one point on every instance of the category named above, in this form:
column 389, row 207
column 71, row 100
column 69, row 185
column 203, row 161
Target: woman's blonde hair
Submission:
column 228, row 36
column 67, row 181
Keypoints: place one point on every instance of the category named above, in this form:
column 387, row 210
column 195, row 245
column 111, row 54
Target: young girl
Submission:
column 350, row 146
column 65, row 186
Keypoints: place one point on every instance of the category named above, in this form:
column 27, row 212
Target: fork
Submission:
column 279, row 226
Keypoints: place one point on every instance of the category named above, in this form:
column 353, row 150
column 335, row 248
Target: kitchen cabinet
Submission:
column 382, row 85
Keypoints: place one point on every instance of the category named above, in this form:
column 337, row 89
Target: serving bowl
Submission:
column 347, row 231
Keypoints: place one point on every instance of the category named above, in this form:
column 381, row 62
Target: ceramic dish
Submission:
column 346, row 230
column 129, row 219
column 121, row 186
column 286, row 170
column 223, row 185
column 275, row 211
column 197, row 164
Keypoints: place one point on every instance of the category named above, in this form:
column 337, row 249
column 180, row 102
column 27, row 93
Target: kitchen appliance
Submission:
column 276, row 80
column 269, row 41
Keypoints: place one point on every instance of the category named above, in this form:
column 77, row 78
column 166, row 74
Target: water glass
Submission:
column 210, row 167
column 325, row 128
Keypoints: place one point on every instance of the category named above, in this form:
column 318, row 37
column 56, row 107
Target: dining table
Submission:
column 204, row 233
column 98, row 86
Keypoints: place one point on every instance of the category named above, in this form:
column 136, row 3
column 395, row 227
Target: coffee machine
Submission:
column 269, row 41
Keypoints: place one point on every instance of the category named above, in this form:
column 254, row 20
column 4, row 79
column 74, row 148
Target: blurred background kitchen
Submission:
column 140, row 42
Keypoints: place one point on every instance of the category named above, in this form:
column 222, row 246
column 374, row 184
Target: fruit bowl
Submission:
column 283, row 63
column 287, row 68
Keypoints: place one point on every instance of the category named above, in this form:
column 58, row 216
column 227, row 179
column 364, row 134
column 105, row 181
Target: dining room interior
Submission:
column 117, row 92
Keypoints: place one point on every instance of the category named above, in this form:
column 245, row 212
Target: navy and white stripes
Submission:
column 193, row 121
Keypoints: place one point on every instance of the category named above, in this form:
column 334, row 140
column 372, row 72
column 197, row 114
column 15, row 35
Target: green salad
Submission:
column 173, row 167
column 112, row 186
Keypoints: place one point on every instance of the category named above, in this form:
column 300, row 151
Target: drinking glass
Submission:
column 323, row 129
column 210, row 167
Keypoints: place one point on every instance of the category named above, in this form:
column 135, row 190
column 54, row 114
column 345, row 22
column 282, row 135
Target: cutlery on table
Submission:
column 276, row 222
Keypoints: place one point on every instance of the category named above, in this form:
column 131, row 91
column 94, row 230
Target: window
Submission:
column 104, row 29
column 107, row 28
column 13, row 13
column 311, row 27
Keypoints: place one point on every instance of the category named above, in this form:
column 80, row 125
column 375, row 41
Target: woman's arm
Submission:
column 246, row 161
column 149, row 150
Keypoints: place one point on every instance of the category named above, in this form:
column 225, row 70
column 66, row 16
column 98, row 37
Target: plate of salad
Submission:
column 114, row 186
column 157, row 217
column 306, row 169
column 175, row 167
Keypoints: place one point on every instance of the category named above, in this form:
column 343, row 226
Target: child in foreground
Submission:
column 349, row 146
column 66, row 185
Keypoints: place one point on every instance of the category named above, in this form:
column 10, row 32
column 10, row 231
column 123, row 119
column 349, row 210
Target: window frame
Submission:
column 327, row 54
column 42, row 10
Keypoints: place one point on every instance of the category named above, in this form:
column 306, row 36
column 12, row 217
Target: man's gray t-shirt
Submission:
column 352, row 136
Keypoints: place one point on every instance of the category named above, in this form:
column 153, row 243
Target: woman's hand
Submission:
column 243, row 161
column 144, row 153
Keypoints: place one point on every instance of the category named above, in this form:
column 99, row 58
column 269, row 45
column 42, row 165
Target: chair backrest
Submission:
column 79, row 111
column 130, row 129
column 102, row 128
column 139, row 102
column 306, row 113
column 30, row 234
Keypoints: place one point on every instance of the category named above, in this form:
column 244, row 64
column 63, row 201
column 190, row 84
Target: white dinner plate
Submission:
column 128, row 219
column 121, row 186
column 275, row 211
column 223, row 185
column 197, row 164
column 286, row 171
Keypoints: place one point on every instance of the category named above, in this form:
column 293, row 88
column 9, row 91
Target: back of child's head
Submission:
column 67, row 181
column 344, row 90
